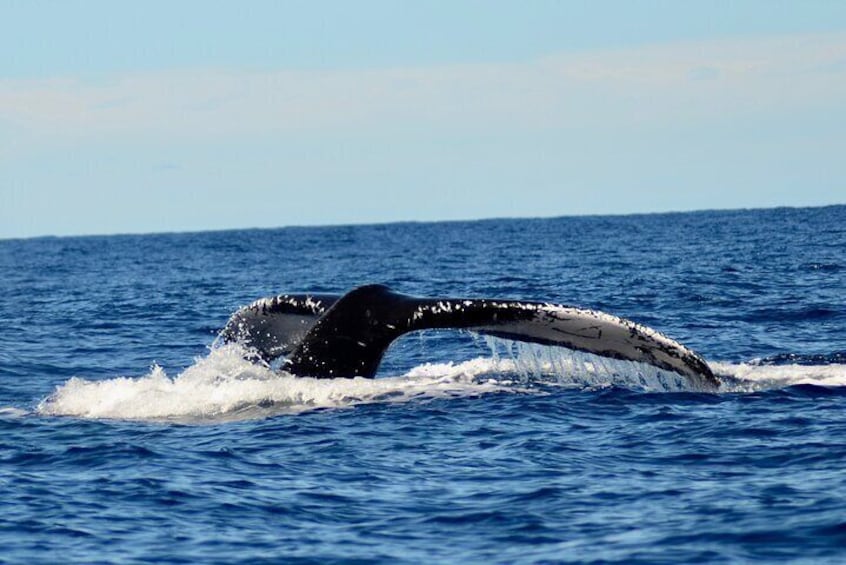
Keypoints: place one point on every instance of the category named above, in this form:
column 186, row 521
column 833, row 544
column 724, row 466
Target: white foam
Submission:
column 749, row 377
column 10, row 412
column 223, row 386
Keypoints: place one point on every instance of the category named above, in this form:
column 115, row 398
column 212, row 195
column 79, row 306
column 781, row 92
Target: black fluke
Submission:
column 328, row 336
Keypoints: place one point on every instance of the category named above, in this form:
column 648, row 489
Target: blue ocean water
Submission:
column 126, row 436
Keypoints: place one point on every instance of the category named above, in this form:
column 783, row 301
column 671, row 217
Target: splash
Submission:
column 533, row 363
column 223, row 386
column 536, row 363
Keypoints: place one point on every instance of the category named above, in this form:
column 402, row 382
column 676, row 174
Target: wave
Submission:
column 223, row 386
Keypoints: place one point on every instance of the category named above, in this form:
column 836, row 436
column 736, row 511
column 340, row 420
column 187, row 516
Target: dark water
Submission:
column 454, row 454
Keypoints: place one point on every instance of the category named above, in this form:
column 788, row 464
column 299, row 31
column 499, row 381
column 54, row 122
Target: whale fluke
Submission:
column 274, row 326
column 329, row 336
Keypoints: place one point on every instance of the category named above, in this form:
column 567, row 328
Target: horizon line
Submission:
column 406, row 222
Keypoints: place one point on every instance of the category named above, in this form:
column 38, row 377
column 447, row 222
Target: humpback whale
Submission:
column 329, row 336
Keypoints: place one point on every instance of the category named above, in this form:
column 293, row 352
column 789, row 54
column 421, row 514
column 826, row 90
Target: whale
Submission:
column 344, row 336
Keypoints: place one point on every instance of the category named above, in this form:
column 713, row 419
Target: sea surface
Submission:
column 129, row 435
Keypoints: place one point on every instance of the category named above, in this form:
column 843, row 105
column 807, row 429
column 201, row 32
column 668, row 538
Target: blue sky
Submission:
column 169, row 116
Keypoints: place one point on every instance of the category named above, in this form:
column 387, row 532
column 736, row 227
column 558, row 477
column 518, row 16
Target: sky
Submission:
column 136, row 117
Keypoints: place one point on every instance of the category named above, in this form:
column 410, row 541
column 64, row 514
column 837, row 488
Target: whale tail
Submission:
column 328, row 336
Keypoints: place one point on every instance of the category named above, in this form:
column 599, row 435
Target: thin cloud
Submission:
column 677, row 83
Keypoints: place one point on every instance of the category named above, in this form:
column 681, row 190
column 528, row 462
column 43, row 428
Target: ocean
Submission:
column 129, row 434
